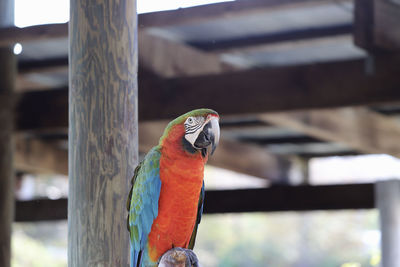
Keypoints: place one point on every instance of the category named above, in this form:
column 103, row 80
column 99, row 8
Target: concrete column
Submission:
column 387, row 198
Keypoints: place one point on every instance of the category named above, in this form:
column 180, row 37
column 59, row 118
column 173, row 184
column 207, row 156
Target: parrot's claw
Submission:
column 194, row 261
column 179, row 257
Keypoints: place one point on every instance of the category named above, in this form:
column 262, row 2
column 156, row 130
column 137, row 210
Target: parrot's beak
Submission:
column 214, row 133
column 209, row 135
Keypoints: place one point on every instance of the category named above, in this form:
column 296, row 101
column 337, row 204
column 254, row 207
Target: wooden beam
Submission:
column 311, row 86
column 8, row 71
column 103, row 147
column 272, row 38
column 290, row 198
column 336, row 153
column 41, row 210
column 300, row 139
column 272, row 199
column 357, row 128
column 12, row 35
column 209, row 12
column 167, row 58
column 42, row 65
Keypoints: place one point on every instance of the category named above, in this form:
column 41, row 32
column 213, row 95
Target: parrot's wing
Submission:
column 143, row 203
column 199, row 213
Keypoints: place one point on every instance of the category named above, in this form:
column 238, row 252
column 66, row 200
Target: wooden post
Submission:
column 8, row 69
column 387, row 198
column 103, row 129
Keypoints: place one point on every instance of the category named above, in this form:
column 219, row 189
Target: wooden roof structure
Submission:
column 244, row 59
column 290, row 78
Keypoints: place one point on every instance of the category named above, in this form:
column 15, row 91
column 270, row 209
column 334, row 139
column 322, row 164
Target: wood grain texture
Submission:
column 8, row 69
column 103, row 129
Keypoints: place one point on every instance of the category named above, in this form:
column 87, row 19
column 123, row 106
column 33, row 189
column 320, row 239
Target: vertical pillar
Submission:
column 387, row 198
column 7, row 83
column 103, row 141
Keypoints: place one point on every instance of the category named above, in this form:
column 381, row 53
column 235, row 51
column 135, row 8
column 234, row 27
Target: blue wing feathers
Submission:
column 144, row 203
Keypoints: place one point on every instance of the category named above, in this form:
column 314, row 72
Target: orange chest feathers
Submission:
column 181, row 175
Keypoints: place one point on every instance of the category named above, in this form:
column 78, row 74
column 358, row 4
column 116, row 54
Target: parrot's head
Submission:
column 196, row 131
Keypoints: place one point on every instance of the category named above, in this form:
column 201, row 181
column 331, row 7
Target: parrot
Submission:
column 165, row 202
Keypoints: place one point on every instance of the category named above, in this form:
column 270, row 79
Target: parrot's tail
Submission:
column 133, row 260
column 136, row 257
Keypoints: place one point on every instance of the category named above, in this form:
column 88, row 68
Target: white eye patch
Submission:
column 192, row 124
column 193, row 127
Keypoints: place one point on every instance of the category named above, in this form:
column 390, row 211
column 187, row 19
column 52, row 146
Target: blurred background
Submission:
column 308, row 92
column 313, row 238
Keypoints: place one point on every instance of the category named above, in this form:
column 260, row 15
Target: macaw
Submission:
column 165, row 202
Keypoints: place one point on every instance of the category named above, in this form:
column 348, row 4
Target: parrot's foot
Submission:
column 179, row 257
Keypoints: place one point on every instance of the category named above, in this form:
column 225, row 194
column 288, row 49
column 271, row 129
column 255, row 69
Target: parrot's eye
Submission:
column 192, row 124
